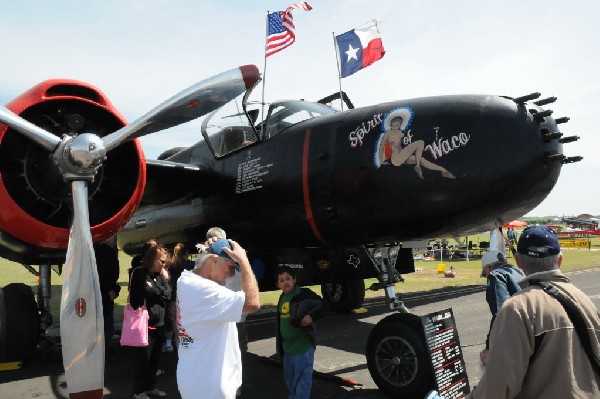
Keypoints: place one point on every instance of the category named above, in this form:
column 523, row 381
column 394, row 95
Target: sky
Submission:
column 141, row 52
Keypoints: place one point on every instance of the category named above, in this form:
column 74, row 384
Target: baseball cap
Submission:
column 217, row 249
column 538, row 242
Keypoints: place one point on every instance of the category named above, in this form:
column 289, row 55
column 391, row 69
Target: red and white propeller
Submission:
column 78, row 158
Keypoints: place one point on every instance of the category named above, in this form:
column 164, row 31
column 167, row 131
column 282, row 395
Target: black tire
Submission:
column 398, row 360
column 21, row 315
column 343, row 296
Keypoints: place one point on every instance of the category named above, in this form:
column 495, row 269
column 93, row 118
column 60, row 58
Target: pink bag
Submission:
column 135, row 326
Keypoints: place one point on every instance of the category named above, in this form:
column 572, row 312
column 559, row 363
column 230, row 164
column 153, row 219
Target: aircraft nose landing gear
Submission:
column 397, row 355
column 44, row 295
column 384, row 260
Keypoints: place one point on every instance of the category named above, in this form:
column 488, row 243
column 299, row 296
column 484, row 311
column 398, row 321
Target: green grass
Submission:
column 424, row 279
column 15, row 273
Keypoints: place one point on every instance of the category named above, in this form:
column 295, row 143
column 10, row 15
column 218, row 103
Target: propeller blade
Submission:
column 33, row 132
column 81, row 320
column 192, row 103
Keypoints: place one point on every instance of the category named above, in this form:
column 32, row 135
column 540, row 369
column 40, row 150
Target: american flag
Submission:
column 281, row 28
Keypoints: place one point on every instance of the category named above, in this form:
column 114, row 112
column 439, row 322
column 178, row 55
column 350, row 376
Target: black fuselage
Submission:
column 317, row 184
column 351, row 178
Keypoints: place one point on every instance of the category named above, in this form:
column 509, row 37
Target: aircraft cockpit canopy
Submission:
column 228, row 128
column 232, row 126
column 284, row 114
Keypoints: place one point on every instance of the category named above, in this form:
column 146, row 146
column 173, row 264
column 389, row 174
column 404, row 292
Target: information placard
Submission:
column 449, row 368
column 575, row 243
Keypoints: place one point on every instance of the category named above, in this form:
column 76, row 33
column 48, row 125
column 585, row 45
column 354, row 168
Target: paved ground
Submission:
column 341, row 351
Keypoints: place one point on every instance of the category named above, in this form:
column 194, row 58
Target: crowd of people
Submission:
column 198, row 309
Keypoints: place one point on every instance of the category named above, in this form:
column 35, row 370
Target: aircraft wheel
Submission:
column 398, row 360
column 344, row 295
column 20, row 323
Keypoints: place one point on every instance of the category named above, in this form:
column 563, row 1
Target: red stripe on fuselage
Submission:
column 307, row 206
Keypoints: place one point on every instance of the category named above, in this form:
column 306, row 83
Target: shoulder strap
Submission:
column 576, row 319
column 130, row 280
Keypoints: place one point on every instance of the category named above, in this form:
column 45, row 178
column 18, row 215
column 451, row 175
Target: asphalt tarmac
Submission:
column 342, row 341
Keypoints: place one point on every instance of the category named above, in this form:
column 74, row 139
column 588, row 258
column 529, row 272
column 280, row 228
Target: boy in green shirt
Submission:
column 296, row 333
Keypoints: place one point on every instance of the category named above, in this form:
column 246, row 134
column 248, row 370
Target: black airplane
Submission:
column 333, row 194
column 581, row 223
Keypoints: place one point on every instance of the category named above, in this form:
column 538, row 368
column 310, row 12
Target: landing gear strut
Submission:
column 44, row 295
column 397, row 355
column 384, row 260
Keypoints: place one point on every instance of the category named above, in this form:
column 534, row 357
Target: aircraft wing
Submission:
column 168, row 181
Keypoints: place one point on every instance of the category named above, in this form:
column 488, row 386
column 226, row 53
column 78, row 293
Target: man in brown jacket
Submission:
column 534, row 349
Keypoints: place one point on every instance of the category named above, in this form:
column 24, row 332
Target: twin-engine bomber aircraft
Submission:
column 333, row 194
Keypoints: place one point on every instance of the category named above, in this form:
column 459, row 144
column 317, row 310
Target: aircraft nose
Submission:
column 549, row 126
column 449, row 163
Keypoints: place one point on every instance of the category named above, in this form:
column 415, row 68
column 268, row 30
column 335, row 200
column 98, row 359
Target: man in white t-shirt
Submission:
column 210, row 365
column 234, row 283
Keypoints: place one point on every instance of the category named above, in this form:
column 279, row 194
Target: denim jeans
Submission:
column 297, row 372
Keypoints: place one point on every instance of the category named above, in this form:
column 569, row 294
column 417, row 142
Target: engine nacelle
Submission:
column 35, row 204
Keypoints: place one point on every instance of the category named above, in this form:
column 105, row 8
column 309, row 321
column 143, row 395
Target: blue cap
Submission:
column 538, row 242
column 217, row 249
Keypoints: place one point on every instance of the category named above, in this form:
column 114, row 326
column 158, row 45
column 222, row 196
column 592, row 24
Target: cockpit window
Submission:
column 288, row 113
column 228, row 129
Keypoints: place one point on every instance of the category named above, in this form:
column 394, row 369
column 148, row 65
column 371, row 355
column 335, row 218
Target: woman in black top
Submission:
column 150, row 284
column 179, row 263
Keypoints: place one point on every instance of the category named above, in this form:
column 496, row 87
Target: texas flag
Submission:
column 359, row 48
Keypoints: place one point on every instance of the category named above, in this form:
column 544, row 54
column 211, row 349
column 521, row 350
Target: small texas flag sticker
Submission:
column 80, row 307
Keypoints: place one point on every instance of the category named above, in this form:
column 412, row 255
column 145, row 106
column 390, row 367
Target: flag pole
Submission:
column 262, row 112
column 337, row 58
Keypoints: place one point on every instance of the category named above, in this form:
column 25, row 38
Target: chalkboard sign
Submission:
column 446, row 355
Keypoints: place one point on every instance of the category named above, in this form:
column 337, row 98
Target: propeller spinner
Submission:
column 79, row 157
